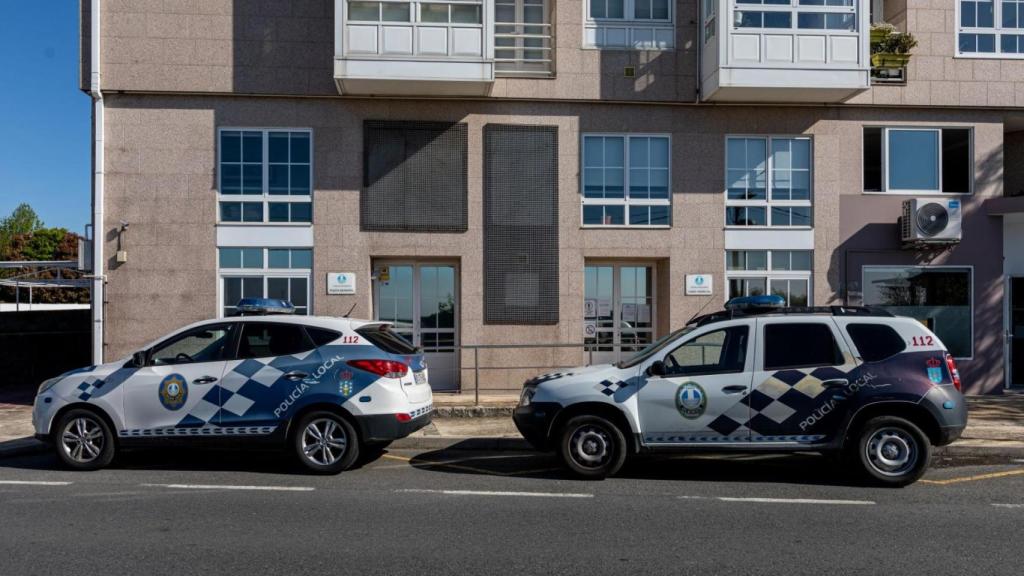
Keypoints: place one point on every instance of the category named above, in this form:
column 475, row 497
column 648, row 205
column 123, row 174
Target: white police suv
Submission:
column 878, row 389
column 324, row 387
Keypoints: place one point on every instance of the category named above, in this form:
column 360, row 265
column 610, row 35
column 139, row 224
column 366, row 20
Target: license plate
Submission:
column 419, row 377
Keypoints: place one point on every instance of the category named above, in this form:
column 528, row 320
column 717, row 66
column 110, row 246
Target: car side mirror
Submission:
column 657, row 368
column 139, row 359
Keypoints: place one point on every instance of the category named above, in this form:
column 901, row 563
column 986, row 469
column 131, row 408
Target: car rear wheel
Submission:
column 83, row 440
column 892, row 451
column 325, row 443
column 592, row 447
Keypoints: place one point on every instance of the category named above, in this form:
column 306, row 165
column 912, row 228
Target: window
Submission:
column 833, row 15
column 918, row 160
column 785, row 273
column 626, row 180
column 267, row 339
column 709, row 9
column 719, row 352
column 619, row 300
column 383, row 337
column 941, row 298
column 768, row 181
column 789, row 346
column 205, row 344
column 378, row 11
column 265, row 176
column 265, row 273
column 875, row 342
column 630, row 9
column 990, row 27
column 629, row 24
column 322, row 336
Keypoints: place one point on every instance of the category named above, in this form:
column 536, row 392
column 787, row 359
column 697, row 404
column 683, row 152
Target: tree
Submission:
column 23, row 220
column 44, row 244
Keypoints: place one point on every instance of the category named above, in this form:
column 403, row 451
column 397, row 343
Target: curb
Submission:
column 21, row 447
column 990, row 451
column 473, row 411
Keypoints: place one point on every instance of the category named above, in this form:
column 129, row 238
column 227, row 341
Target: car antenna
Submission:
column 710, row 298
column 347, row 314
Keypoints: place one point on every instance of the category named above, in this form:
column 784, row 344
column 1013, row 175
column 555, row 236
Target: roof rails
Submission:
column 264, row 307
column 735, row 313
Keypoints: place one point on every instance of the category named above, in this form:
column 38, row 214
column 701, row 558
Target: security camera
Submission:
column 124, row 224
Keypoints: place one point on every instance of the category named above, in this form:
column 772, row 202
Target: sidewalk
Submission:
column 995, row 426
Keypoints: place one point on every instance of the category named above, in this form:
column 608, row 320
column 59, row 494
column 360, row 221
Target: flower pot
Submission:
column 879, row 34
column 889, row 60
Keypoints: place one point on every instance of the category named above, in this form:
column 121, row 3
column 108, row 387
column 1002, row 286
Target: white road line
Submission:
column 34, row 483
column 485, row 493
column 797, row 501
column 1009, row 505
column 231, row 487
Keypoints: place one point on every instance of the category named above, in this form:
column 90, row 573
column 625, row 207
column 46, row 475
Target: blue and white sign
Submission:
column 341, row 283
column 699, row 285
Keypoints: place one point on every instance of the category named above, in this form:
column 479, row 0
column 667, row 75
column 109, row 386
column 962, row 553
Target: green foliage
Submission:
column 23, row 237
column 886, row 39
column 23, row 220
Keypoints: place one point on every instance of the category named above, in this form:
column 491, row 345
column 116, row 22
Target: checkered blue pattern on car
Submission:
column 673, row 439
column 93, row 387
column 204, row 431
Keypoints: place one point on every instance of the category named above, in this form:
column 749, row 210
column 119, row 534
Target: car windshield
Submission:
column 654, row 347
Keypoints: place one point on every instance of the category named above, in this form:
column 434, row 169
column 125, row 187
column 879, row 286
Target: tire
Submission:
column 592, row 447
column 325, row 443
column 890, row 451
column 84, row 440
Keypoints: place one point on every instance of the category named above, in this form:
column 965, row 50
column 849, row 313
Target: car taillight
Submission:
column 953, row 372
column 403, row 417
column 385, row 368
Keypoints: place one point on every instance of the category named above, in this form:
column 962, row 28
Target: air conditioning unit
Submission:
column 931, row 220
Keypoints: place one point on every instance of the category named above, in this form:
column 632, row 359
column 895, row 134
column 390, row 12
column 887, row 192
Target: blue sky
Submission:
column 44, row 117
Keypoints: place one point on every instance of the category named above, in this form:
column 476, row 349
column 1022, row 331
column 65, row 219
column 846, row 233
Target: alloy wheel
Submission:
column 82, row 439
column 324, row 442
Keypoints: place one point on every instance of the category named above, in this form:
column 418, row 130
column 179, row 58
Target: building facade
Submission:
column 525, row 173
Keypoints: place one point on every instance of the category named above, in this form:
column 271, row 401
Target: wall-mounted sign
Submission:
column 590, row 329
column 341, row 283
column 699, row 285
column 590, row 308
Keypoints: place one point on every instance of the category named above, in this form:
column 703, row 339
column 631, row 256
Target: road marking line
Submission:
column 797, row 501
column 1009, row 505
column 989, row 476
column 486, row 493
column 34, row 483
column 230, row 487
column 393, row 457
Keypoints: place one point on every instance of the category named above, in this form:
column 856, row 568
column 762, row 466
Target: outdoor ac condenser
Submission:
column 931, row 220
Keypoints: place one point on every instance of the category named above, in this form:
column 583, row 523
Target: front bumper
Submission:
column 534, row 422
column 386, row 427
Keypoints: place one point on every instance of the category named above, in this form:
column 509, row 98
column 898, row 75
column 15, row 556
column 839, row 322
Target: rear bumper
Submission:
column 949, row 408
column 386, row 427
column 534, row 423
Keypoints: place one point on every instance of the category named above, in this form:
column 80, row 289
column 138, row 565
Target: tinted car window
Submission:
column 718, row 352
column 799, row 346
column 321, row 336
column 876, row 342
column 261, row 340
column 204, row 344
column 381, row 336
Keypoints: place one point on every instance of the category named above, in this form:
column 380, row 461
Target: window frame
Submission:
column 794, row 8
column 309, row 344
column 626, row 201
column 768, row 203
column 265, row 198
column 837, row 343
column 747, row 349
column 265, row 273
column 997, row 30
column 769, row 274
column 226, row 353
column 628, row 14
column 971, row 169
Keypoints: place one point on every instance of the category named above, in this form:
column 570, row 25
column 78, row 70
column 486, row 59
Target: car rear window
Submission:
column 381, row 336
column 875, row 342
column 264, row 340
column 799, row 346
column 322, row 337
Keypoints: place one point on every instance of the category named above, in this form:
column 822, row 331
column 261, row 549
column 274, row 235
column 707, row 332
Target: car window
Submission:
column 321, row 336
column 654, row 347
column 204, row 344
column 800, row 346
column 383, row 337
column 265, row 339
column 719, row 352
column 876, row 342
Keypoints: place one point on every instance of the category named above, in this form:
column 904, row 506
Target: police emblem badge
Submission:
column 935, row 370
column 691, row 401
column 173, row 391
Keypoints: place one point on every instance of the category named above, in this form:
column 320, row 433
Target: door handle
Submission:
column 734, row 389
column 204, row 380
column 837, row 383
column 296, row 375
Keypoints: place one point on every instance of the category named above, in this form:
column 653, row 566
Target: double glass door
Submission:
column 421, row 300
column 618, row 309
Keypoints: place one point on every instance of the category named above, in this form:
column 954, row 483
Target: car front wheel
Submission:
column 892, row 451
column 592, row 447
column 83, row 440
column 325, row 443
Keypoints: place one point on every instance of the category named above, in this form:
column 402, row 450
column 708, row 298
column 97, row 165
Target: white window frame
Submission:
column 629, row 14
column 970, row 286
column 629, row 25
column 768, row 274
column 265, row 273
column 768, row 203
column 266, row 198
column 996, row 30
column 795, row 9
column 625, row 201
column 886, row 163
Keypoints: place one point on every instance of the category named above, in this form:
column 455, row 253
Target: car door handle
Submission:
column 734, row 389
column 204, row 380
column 837, row 383
column 296, row 375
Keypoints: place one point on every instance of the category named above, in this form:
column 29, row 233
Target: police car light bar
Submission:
column 264, row 306
column 755, row 302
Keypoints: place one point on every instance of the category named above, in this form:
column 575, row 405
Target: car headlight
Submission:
column 527, row 396
column 47, row 385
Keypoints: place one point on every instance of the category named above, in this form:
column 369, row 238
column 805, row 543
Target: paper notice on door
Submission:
column 643, row 314
column 629, row 313
column 604, row 308
column 590, row 308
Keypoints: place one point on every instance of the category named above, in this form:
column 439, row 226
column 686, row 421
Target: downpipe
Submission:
column 98, row 228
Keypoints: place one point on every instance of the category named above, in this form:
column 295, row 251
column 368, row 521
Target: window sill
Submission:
column 261, row 224
column 916, row 193
column 624, row 227
column 728, row 227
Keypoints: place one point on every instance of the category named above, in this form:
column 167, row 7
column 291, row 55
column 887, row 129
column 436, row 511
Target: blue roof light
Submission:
column 755, row 302
column 262, row 306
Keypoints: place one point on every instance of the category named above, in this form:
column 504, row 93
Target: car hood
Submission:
column 581, row 376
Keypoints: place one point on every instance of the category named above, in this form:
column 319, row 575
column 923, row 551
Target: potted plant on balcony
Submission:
column 890, row 48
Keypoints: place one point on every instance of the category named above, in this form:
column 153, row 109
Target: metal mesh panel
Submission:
column 414, row 177
column 520, row 224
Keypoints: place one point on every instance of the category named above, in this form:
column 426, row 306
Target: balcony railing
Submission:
column 523, row 49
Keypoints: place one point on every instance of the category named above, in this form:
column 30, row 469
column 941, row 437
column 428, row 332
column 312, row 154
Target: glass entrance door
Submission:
column 1016, row 332
column 421, row 299
column 619, row 302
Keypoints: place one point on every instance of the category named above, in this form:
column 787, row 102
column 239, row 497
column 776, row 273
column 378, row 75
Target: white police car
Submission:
column 324, row 387
column 878, row 389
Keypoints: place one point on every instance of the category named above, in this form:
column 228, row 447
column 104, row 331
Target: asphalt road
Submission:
column 169, row 512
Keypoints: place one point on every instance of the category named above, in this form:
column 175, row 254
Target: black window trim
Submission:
column 241, row 329
column 764, row 347
column 972, row 178
column 860, row 353
column 714, row 372
column 230, row 347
